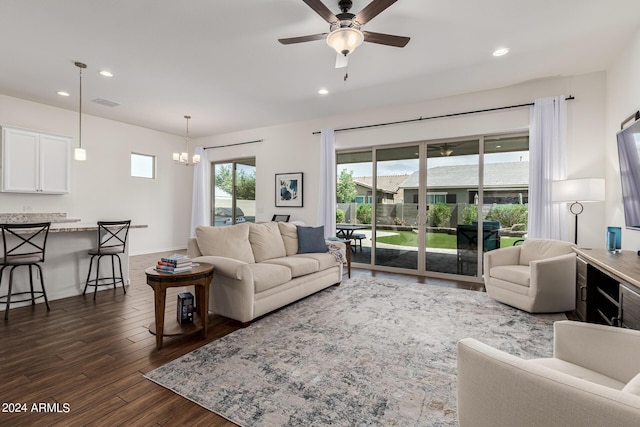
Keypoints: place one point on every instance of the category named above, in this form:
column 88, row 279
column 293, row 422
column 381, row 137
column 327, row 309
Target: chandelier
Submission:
column 183, row 158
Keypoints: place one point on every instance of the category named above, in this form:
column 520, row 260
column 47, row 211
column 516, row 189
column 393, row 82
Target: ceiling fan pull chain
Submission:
column 346, row 73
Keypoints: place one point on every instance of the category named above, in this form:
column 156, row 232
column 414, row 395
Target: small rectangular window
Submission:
column 143, row 165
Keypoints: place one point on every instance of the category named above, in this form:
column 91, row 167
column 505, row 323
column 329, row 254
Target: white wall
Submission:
column 102, row 187
column 292, row 147
column 623, row 99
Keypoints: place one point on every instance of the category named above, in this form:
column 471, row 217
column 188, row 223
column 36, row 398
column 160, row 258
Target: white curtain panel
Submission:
column 200, row 203
column 547, row 163
column 327, row 190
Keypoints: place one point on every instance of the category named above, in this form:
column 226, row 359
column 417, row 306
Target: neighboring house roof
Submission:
column 496, row 175
column 387, row 184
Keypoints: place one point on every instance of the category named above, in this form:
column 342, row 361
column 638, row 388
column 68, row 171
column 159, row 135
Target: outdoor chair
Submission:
column 467, row 242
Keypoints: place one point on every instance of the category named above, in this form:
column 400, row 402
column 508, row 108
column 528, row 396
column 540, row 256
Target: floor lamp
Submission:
column 578, row 191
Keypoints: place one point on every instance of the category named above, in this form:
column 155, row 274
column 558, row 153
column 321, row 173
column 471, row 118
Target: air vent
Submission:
column 105, row 102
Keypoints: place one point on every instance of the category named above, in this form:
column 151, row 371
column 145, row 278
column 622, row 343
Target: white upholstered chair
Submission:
column 592, row 380
column 538, row 276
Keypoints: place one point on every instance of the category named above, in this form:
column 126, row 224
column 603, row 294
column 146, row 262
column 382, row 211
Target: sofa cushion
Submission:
column 267, row 276
column 578, row 372
column 289, row 233
column 230, row 242
column 633, row 386
column 298, row 266
column 325, row 260
column 311, row 239
column 520, row 274
column 266, row 241
column 535, row 249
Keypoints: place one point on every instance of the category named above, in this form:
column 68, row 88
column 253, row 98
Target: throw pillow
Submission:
column 266, row 241
column 633, row 386
column 311, row 240
column 229, row 242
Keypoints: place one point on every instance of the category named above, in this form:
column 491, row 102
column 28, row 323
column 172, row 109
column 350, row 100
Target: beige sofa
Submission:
column 258, row 268
column 592, row 380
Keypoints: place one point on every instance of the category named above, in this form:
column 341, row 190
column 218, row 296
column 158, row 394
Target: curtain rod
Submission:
column 237, row 143
column 438, row 117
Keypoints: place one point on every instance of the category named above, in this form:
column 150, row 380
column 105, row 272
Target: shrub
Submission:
column 339, row 216
column 363, row 214
column 439, row 215
column 469, row 214
column 508, row 215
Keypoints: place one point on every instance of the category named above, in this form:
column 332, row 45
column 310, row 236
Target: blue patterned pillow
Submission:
column 311, row 239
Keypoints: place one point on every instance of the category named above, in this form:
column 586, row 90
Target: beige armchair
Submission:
column 592, row 380
column 538, row 276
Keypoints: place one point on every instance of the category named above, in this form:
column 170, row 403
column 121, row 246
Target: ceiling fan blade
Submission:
column 342, row 60
column 321, row 10
column 372, row 10
column 385, row 39
column 302, row 39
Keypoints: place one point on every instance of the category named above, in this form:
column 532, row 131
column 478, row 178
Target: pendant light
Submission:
column 80, row 153
column 183, row 158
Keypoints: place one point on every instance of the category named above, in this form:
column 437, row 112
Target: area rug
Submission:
column 368, row 352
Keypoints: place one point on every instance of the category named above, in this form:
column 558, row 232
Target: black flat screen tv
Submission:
column 629, row 156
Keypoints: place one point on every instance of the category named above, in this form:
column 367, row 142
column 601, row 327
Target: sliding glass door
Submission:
column 434, row 207
column 396, row 233
column 452, row 194
column 234, row 192
column 354, row 193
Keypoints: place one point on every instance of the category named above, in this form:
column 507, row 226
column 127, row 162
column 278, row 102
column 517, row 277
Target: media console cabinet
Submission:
column 608, row 287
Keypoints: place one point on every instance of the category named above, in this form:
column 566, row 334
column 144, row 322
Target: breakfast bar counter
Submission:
column 66, row 258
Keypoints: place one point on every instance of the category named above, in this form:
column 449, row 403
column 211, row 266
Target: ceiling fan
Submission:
column 345, row 33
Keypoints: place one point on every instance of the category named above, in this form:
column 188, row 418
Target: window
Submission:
column 433, row 198
column 143, row 165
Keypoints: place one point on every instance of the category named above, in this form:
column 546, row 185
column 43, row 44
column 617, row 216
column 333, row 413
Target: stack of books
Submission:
column 175, row 263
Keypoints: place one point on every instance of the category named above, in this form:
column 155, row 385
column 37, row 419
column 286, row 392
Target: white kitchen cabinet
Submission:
column 35, row 162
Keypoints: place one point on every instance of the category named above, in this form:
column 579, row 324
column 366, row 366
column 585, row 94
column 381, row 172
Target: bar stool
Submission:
column 24, row 245
column 112, row 240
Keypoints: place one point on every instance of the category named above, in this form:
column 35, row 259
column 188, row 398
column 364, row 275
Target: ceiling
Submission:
column 221, row 63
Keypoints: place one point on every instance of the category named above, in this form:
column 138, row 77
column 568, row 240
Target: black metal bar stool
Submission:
column 112, row 240
column 24, row 245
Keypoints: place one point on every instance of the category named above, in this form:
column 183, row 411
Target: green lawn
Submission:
column 434, row 240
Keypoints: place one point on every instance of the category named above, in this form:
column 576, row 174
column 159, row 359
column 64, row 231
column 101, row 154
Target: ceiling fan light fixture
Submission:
column 345, row 40
column 445, row 150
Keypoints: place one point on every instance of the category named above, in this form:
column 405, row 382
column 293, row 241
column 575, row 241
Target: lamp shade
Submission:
column 578, row 190
column 80, row 154
column 345, row 40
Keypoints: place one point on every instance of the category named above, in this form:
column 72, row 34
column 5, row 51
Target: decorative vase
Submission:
column 614, row 239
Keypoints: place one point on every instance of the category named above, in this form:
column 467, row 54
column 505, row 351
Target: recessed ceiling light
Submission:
column 500, row 52
column 106, row 73
column 63, row 93
column 323, row 91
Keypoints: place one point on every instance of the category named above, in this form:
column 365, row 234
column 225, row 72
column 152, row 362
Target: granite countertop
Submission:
column 24, row 217
column 68, row 228
column 59, row 221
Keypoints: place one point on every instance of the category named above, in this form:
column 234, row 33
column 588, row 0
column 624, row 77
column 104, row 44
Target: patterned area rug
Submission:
column 369, row 352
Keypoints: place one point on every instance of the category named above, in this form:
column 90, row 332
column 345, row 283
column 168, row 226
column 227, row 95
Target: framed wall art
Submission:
column 289, row 190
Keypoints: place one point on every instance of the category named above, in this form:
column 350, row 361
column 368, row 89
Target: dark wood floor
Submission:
column 90, row 357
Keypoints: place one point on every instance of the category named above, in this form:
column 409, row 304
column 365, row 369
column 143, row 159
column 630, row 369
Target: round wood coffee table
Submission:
column 200, row 277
